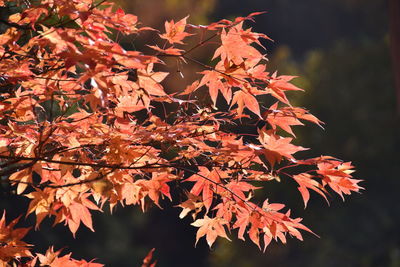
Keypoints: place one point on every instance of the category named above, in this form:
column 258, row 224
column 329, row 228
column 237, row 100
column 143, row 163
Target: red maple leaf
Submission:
column 147, row 260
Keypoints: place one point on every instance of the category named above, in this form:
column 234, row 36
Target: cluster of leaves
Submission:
column 79, row 125
column 12, row 249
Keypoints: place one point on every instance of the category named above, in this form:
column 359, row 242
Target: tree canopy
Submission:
column 87, row 124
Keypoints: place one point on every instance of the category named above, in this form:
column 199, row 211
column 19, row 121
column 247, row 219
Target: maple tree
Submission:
column 80, row 126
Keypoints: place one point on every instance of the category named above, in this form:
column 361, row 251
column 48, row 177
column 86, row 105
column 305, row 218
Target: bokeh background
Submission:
column 340, row 51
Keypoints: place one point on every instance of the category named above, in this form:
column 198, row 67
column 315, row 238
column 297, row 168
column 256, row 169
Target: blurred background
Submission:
column 340, row 51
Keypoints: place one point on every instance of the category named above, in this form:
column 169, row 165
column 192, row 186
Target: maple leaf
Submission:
column 175, row 32
column 41, row 204
column 77, row 112
column 245, row 216
column 211, row 228
column 156, row 186
column 337, row 175
column 150, row 81
column 267, row 221
column 277, row 147
column 213, row 80
column 10, row 238
column 129, row 103
column 130, row 193
column 279, row 84
column 226, row 209
column 237, row 188
column 235, row 48
column 305, row 182
column 244, row 99
column 206, row 184
column 22, row 178
column 79, row 213
column 74, row 210
column 51, row 258
column 279, row 118
column 302, row 114
column 129, row 21
column 147, row 260
column 193, row 203
column 28, row 16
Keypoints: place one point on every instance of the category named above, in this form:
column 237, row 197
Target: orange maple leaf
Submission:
column 75, row 211
column 277, row 147
column 51, row 258
column 211, row 228
column 206, row 183
column 213, row 80
column 235, row 47
column 245, row 99
column 337, row 175
column 150, row 81
column 175, row 32
column 279, row 118
column 157, row 186
column 279, row 84
column 238, row 188
column 305, row 182
column 10, row 239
